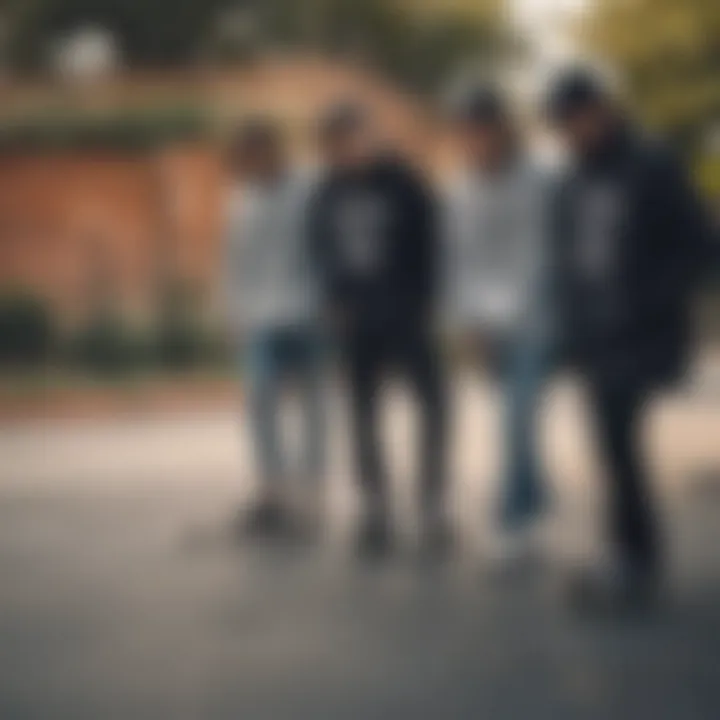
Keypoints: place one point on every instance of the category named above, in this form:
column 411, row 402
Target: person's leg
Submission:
column 365, row 358
column 364, row 361
column 619, row 412
column 305, row 365
column 266, row 515
column 627, row 580
column 263, row 378
column 312, row 378
column 524, row 377
column 423, row 365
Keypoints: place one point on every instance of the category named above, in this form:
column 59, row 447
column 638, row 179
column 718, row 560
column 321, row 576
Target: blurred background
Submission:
column 113, row 117
column 119, row 396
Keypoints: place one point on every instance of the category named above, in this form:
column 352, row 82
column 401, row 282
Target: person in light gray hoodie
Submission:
column 496, row 260
column 272, row 310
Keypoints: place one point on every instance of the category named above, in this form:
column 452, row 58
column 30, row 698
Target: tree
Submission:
column 150, row 32
column 418, row 43
column 668, row 54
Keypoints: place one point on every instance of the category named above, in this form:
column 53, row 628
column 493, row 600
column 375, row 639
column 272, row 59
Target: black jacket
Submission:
column 374, row 242
column 630, row 211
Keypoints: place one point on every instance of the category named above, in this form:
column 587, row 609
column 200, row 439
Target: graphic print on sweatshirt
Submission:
column 361, row 221
column 601, row 216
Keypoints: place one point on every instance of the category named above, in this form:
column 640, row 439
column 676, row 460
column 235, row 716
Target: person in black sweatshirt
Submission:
column 629, row 237
column 374, row 236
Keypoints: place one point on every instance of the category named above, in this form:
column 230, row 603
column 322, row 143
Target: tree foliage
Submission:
column 668, row 53
column 27, row 330
column 151, row 32
column 417, row 42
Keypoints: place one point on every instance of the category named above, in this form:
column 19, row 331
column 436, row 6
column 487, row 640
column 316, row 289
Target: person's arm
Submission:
column 241, row 281
column 545, row 294
column 231, row 263
column 422, row 253
column 557, row 283
column 450, row 230
column 317, row 241
column 679, row 251
column 322, row 252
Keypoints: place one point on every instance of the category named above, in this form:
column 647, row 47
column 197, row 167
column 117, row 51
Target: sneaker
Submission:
column 306, row 501
column 519, row 510
column 374, row 537
column 437, row 538
column 514, row 553
column 267, row 518
column 615, row 588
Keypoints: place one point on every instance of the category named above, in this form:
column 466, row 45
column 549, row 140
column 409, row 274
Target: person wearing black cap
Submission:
column 373, row 229
column 496, row 216
column 629, row 235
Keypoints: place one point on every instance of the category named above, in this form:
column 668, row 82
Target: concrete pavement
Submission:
column 121, row 597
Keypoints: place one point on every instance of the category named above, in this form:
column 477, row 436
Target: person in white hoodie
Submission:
column 496, row 256
column 272, row 310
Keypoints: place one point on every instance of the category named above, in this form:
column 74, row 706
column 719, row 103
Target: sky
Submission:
column 545, row 19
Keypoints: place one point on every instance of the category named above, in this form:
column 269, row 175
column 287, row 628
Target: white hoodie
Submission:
column 496, row 248
column 268, row 277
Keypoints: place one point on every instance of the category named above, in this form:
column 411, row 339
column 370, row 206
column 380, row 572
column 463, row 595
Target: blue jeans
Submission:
column 273, row 357
column 522, row 365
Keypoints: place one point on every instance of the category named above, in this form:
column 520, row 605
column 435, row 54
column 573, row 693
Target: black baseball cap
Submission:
column 481, row 104
column 257, row 133
column 573, row 90
column 342, row 118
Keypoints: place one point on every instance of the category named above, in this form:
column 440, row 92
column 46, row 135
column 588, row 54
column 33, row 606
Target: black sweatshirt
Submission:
column 374, row 241
column 630, row 237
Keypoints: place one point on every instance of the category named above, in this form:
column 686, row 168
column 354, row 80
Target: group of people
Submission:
column 590, row 268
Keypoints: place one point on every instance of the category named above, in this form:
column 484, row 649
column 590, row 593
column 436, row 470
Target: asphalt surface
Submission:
column 124, row 595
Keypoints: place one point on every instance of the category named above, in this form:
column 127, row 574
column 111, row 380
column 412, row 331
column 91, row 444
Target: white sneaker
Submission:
column 509, row 554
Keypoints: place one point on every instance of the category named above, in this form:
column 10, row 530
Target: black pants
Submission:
column 618, row 413
column 371, row 357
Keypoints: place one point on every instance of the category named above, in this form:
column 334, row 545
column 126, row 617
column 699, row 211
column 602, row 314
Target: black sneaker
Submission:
column 437, row 539
column 522, row 509
column 374, row 537
column 617, row 588
column 511, row 555
column 267, row 518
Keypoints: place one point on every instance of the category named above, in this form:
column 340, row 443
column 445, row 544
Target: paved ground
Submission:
column 121, row 598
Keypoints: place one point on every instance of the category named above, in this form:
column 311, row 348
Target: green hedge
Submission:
column 110, row 346
column 107, row 346
column 129, row 131
column 27, row 330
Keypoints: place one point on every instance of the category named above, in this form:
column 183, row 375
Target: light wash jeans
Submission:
column 272, row 358
column 522, row 365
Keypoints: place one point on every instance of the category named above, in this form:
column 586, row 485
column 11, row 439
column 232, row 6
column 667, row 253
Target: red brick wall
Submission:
column 69, row 223
column 75, row 226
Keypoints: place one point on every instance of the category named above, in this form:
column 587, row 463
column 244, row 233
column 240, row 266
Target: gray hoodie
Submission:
column 496, row 249
column 267, row 274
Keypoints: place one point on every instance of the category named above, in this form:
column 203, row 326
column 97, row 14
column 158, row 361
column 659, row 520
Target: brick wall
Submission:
column 77, row 227
column 80, row 227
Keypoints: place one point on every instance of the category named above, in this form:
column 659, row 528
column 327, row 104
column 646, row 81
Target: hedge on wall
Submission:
column 27, row 330
column 128, row 130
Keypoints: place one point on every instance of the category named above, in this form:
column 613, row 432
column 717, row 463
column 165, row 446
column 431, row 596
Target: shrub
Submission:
column 181, row 344
column 27, row 330
column 181, row 340
column 107, row 346
column 125, row 131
